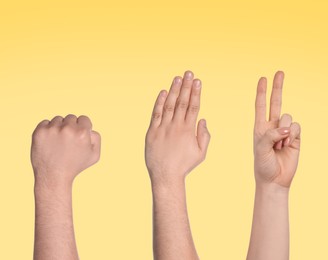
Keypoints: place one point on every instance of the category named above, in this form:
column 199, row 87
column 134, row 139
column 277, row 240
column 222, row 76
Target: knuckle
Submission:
column 95, row 133
column 53, row 130
column 67, row 130
column 297, row 125
column 276, row 102
column 194, row 108
column 260, row 105
column 182, row 104
column 169, row 108
column 196, row 93
column 186, row 86
column 70, row 117
column 84, row 117
column 156, row 116
column 57, row 118
column 83, row 133
column 39, row 132
column 43, row 123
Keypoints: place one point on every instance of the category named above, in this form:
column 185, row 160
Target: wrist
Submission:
column 42, row 184
column 165, row 180
column 272, row 189
column 52, row 177
column 167, row 185
column 52, row 192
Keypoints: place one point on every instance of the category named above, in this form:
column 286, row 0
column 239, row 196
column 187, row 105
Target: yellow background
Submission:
column 109, row 60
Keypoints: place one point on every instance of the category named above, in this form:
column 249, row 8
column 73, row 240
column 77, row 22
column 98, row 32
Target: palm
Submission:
column 275, row 161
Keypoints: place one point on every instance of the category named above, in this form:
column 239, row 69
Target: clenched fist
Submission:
column 62, row 148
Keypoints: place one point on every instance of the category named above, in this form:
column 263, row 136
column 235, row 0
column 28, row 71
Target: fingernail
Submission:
column 204, row 122
column 278, row 145
column 188, row 75
column 284, row 130
column 177, row 80
column 197, row 83
column 163, row 93
column 286, row 143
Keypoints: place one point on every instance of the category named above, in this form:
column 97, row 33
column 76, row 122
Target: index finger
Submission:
column 260, row 102
column 84, row 121
column 276, row 96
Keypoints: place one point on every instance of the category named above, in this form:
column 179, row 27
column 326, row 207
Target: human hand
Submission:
column 172, row 148
column 277, row 141
column 62, row 148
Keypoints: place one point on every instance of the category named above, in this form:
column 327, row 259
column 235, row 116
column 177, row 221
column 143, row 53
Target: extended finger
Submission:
column 260, row 102
column 169, row 105
column 157, row 114
column 276, row 97
column 194, row 103
column 184, row 96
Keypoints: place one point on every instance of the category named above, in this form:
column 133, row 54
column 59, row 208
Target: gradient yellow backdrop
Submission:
column 109, row 60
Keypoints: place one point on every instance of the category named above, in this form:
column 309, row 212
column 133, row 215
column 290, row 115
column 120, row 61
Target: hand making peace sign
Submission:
column 277, row 140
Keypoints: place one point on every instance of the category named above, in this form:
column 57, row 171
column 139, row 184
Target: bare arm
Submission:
column 276, row 153
column 61, row 149
column 172, row 151
column 172, row 233
column 54, row 231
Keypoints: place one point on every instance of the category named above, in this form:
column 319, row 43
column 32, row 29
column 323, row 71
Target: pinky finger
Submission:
column 295, row 135
column 157, row 114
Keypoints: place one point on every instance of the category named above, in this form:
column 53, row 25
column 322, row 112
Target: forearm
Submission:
column 270, row 229
column 172, row 234
column 54, row 231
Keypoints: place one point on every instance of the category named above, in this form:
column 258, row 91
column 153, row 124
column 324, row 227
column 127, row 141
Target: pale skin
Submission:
column 61, row 149
column 276, row 154
column 175, row 144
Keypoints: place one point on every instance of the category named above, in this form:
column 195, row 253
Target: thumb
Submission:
column 203, row 135
column 273, row 136
column 96, row 144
